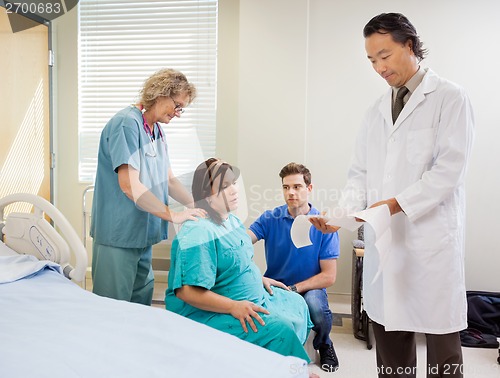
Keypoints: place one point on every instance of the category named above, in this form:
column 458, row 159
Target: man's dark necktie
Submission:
column 398, row 104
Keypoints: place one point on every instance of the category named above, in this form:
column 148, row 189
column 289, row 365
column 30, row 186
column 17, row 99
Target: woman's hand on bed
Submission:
column 268, row 282
column 247, row 312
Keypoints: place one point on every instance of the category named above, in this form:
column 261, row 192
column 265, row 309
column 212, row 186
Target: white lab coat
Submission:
column 421, row 160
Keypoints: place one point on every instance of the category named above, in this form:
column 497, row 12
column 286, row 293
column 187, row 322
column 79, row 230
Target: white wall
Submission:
column 305, row 82
column 68, row 191
column 293, row 83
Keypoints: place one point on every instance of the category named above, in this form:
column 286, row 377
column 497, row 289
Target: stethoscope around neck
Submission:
column 150, row 133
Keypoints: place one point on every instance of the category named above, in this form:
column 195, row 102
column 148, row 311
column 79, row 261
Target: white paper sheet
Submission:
column 300, row 231
column 379, row 218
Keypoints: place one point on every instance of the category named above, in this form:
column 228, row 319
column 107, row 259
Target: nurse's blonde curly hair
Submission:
column 166, row 82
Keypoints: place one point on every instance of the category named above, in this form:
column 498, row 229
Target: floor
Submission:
column 354, row 357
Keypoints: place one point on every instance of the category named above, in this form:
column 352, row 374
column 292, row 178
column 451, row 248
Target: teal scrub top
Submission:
column 116, row 220
column 219, row 258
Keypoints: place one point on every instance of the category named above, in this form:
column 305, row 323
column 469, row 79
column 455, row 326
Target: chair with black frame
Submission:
column 360, row 319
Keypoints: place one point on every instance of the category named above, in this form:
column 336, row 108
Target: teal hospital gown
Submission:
column 219, row 258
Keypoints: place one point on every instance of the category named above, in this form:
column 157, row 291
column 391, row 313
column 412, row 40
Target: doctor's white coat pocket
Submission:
column 420, row 145
column 430, row 233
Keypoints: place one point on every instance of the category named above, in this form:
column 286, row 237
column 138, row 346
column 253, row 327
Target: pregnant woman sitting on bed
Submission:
column 214, row 280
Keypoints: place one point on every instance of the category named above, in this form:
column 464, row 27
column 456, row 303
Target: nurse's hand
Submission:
column 320, row 224
column 268, row 282
column 188, row 214
column 246, row 312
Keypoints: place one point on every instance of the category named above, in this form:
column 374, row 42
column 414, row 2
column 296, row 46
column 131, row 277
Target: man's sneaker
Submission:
column 328, row 358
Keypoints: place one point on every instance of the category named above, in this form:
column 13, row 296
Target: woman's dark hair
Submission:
column 204, row 179
column 399, row 27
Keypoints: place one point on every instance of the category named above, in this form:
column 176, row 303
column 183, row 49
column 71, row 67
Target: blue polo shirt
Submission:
column 116, row 220
column 285, row 262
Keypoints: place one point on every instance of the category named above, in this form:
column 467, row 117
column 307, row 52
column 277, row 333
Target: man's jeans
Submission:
column 321, row 316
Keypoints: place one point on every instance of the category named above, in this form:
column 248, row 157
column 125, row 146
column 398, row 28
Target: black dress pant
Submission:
column 397, row 354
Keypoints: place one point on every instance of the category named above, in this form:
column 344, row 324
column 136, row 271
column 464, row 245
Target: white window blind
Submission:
column 121, row 44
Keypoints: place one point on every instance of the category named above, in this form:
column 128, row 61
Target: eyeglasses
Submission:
column 178, row 108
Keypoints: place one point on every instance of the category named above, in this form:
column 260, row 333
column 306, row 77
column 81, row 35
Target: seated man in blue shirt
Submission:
column 307, row 270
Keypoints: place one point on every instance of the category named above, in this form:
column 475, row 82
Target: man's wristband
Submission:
column 293, row 288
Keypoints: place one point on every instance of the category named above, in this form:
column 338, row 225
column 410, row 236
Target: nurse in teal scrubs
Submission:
column 214, row 280
column 133, row 181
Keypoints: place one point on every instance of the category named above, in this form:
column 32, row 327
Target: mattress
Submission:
column 51, row 327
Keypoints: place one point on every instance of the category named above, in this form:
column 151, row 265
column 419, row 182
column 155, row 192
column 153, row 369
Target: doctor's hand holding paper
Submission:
column 412, row 154
column 328, row 225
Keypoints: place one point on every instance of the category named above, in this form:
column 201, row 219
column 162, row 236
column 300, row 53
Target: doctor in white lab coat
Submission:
column 416, row 165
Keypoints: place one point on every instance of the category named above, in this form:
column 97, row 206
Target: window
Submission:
column 121, row 44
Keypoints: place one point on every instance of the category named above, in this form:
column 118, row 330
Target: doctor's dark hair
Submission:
column 166, row 82
column 296, row 169
column 399, row 27
column 206, row 175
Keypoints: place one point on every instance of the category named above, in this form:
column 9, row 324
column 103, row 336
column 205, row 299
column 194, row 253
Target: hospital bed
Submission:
column 51, row 327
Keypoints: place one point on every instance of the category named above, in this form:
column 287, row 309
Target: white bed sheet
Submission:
column 50, row 327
